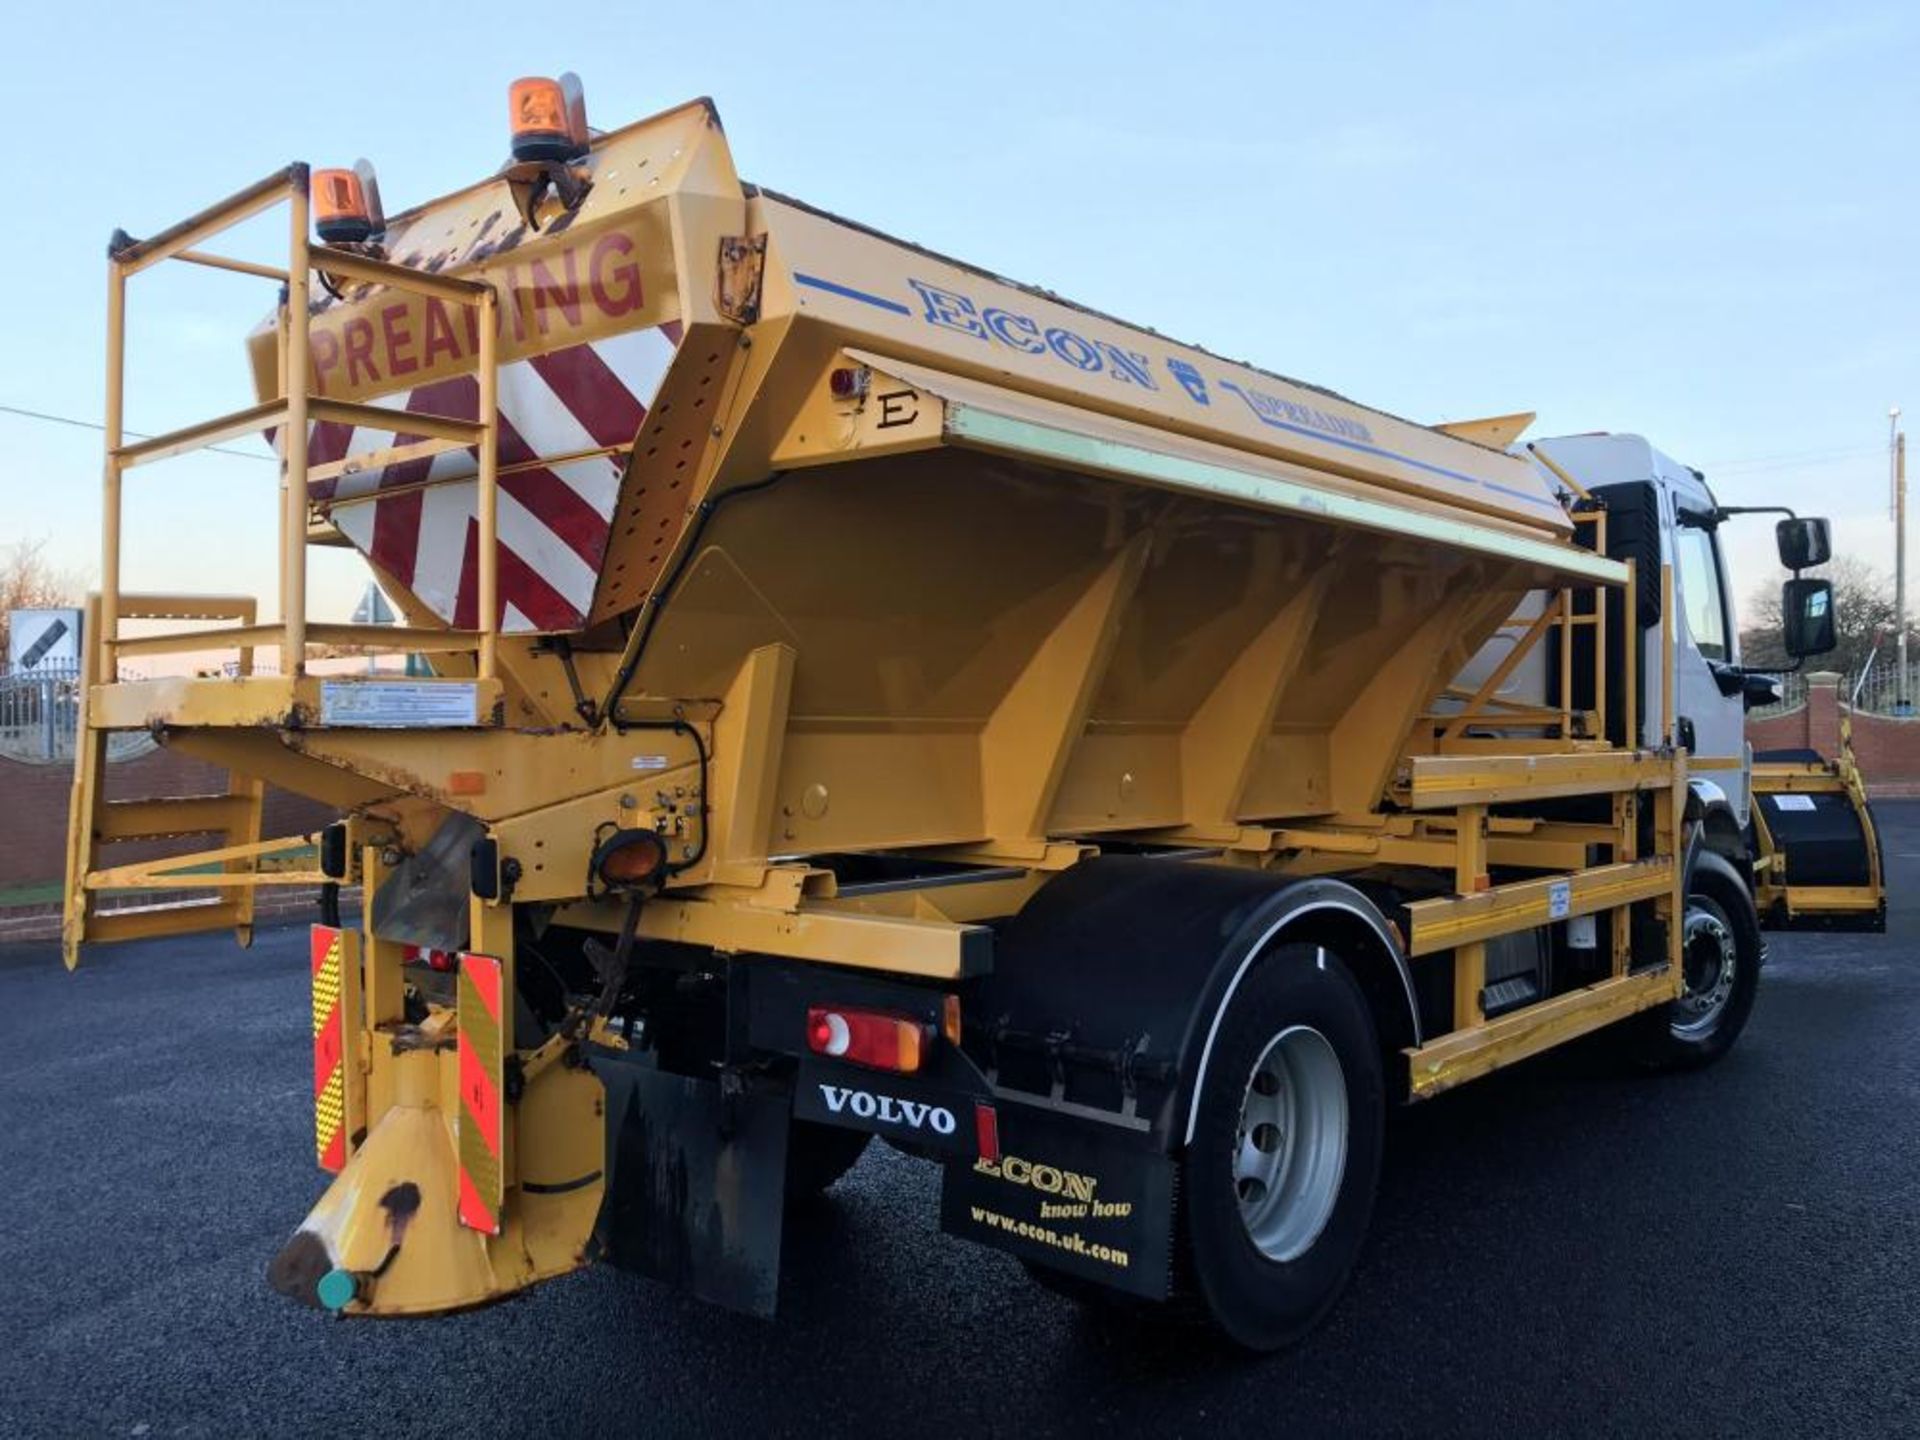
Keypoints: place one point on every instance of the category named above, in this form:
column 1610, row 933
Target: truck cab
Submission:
column 1671, row 522
column 1662, row 516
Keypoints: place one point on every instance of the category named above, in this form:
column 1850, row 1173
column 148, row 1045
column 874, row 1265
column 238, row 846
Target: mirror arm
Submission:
column 1721, row 512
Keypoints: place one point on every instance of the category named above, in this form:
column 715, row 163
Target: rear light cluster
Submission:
column 886, row 1040
column 868, row 1037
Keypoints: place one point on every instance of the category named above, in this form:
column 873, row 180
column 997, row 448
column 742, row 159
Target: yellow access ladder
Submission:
column 232, row 869
column 95, row 821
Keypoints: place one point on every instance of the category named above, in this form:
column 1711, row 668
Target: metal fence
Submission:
column 1880, row 690
column 40, row 712
column 1883, row 690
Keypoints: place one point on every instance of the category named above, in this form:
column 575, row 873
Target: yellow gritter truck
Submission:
column 851, row 694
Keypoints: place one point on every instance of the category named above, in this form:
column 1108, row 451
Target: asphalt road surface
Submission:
column 1558, row 1249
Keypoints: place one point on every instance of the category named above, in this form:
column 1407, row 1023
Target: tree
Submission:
column 29, row 582
column 1862, row 614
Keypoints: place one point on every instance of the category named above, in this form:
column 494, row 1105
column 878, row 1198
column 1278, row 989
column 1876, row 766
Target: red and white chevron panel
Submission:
column 554, row 516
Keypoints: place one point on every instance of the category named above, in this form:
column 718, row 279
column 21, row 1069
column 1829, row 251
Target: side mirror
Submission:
column 1803, row 544
column 1806, row 617
column 1757, row 690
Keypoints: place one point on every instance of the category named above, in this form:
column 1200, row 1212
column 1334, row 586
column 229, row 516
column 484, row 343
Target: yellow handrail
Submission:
column 291, row 415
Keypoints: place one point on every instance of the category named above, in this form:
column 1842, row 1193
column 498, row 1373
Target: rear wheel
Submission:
column 1279, row 1180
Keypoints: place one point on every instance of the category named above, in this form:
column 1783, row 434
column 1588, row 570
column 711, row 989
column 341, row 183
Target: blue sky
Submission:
column 1698, row 222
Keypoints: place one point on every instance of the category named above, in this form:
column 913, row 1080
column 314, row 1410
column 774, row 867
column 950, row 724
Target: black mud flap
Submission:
column 1067, row 1194
column 696, row 1182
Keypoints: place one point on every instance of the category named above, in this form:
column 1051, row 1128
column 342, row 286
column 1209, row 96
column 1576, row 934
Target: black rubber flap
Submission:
column 1065, row 1195
column 696, row 1183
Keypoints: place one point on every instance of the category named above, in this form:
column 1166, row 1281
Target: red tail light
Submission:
column 986, row 1130
column 867, row 1037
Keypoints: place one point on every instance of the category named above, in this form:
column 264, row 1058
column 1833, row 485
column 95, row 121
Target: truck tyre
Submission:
column 1720, row 955
column 1278, row 1183
column 817, row 1156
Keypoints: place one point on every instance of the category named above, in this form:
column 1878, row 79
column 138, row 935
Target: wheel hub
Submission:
column 1710, row 962
column 1290, row 1146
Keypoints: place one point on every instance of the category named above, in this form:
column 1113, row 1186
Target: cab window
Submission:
column 1700, row 590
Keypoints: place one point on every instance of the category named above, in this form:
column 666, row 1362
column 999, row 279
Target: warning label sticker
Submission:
column 387, row 704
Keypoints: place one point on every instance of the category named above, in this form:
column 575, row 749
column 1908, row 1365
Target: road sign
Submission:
column 373, row 608
column 44, row 640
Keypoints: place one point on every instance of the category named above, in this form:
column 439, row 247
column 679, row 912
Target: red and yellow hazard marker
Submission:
column 328, row 955
column 481, row 1125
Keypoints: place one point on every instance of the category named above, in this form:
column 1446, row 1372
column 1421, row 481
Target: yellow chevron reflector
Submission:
column 481, row 1125
column 327, row 952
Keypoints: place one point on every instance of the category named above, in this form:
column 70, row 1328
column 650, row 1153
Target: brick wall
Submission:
column 1888, row 749
column 33, row 812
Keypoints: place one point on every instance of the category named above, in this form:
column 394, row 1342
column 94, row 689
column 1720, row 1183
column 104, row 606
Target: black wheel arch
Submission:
column 1710, row 813
column 1712, row 873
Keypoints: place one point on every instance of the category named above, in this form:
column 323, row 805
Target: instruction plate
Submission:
column 1792, row 802
column 398, row 705
column 1559, row 899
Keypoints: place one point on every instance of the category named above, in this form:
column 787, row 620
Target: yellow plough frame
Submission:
column 1784, row 903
